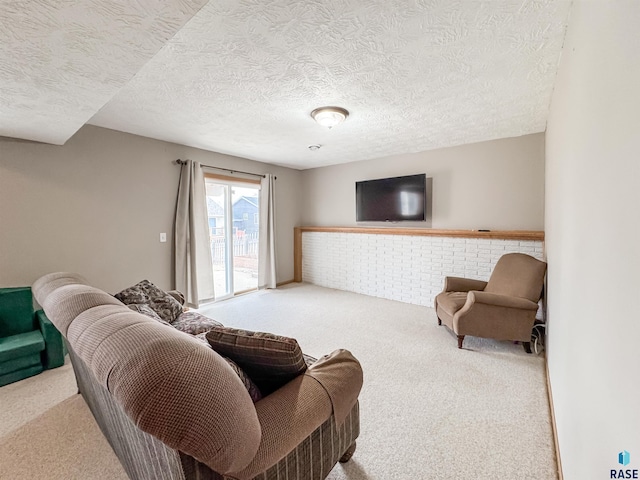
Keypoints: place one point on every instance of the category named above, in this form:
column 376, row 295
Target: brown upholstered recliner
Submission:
column 504, row 308
column 173, row 409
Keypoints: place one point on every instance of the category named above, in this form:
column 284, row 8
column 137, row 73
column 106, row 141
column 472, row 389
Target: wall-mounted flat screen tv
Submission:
column 392, row 199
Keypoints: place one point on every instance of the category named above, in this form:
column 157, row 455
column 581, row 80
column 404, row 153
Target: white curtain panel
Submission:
column 267, row 254
column 193, row 264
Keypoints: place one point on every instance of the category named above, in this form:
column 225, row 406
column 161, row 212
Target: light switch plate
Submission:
column 163, row 237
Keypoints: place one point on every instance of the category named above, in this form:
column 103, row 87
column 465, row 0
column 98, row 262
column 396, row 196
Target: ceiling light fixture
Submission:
column 313, row 148
column 329, row 116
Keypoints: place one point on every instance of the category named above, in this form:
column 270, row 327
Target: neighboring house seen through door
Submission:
column 233, row 207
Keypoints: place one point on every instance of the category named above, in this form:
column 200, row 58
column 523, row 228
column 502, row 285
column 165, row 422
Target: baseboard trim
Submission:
column 554, row 429
column 287, row 282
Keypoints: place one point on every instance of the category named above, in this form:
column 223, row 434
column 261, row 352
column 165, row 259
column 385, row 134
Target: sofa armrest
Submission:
column 459, row 284
column 340, row 374
column 497, row 300
column 287, row 417
column 54, row 346
column 295, row 410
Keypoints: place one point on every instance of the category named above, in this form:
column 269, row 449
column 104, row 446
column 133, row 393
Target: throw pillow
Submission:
column 194, row 323
column 148, row 311
column 270, row 360
column 132, row 296
column 167, row 307
column 201, row 338
column 252, row 388
column 309, row 360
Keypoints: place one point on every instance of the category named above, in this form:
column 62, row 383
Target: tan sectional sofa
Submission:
column 171, row 408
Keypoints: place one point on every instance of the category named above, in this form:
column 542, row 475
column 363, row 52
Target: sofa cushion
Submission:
column 194, row 323
column 165, row 305
column 270, row 360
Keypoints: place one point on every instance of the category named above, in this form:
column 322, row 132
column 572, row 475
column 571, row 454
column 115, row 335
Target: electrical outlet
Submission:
column 163, row 237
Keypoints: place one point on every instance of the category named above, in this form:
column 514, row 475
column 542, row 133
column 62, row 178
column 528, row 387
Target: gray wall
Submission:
column 593, row 239
column 495, row 185
column 98, row 204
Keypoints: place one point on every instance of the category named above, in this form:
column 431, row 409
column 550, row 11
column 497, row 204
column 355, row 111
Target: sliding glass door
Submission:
column 234, row 211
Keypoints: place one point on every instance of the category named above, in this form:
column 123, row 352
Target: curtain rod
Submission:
column 183, row 162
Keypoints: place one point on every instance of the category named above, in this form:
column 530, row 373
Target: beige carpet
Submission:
column 62, row 444
column 24, row 400
column 428, row 410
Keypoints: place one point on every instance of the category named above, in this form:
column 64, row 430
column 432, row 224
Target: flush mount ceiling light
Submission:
column 329, row 116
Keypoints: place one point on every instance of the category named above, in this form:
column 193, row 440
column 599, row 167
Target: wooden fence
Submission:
column 244, row 245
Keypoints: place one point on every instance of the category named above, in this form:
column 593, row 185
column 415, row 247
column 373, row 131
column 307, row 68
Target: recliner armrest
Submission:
column 497, row 300
column 460, row 284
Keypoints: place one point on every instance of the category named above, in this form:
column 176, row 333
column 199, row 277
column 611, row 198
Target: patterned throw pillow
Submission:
column 269, row 360
column 130, row 296
column 167, row 307
column 252, row 388
column 309, row 360
column 194, row 323
column 148, row 311
column 201, row 337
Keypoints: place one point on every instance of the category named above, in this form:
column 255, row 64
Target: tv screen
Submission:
column 391, row 199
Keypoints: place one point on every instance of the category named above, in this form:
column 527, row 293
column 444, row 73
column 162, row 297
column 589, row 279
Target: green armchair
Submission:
column 29, row 342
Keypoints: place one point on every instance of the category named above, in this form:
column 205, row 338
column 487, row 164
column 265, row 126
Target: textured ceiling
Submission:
column 242, row 76
column 62, row 60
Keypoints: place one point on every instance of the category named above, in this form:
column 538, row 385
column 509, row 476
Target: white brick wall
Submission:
column 410, row 269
